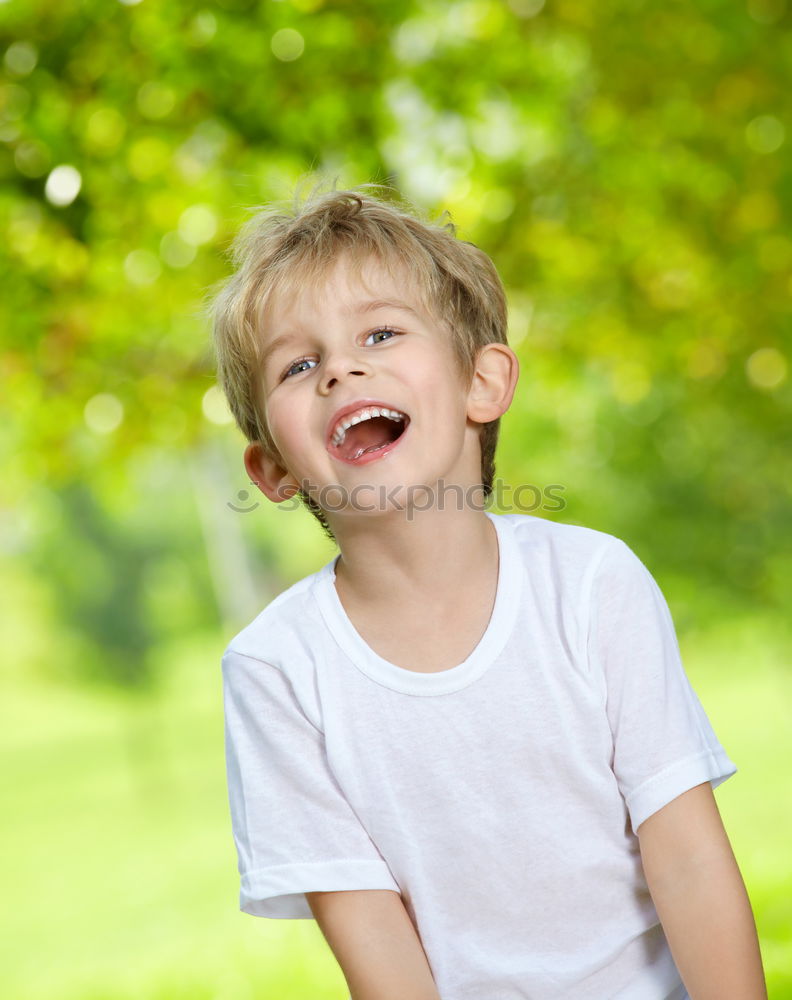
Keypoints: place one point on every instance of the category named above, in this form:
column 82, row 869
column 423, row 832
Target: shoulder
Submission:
column 287, row 631
column 570, row 550
column 581, row 565
column 272, row 661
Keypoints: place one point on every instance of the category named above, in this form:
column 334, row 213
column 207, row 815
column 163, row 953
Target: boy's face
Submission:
column 331, row 354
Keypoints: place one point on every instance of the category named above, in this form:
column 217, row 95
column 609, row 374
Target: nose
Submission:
column 339, row 366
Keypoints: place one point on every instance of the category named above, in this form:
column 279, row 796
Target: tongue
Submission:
column 367, row 436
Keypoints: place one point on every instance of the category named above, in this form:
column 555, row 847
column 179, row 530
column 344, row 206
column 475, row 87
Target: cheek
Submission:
column 281, row 428
column 289, row 430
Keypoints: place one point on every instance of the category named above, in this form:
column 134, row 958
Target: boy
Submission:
column 466, row 746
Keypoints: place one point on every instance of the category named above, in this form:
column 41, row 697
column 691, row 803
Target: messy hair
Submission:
column 278, row 249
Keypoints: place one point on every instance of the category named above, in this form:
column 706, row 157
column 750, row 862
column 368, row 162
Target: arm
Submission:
column 375, row 943
column 701, row 899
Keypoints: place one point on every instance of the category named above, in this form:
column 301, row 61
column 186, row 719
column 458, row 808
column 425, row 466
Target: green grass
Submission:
column 741, row 671
column 117, row 863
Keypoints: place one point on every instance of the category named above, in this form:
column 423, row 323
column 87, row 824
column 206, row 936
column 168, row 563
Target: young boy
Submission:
column 466, row 745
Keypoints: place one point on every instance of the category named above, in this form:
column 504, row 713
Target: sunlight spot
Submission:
column 215, row 408
column 766, row 368
column 287, row 45
column 103, row 413
column 63, row 185
column 197, row 225
column 765, row 134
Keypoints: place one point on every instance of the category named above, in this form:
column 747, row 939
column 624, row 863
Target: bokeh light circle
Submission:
column 20, row 58
column 198, row 225
column 287, row 44
column 63, row 185
column 215, row 408
column 142, row 267
column 103, row 413
column 766, row 368
column 765, row 134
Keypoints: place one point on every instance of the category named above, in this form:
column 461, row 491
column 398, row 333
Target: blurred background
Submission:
column 627, row 166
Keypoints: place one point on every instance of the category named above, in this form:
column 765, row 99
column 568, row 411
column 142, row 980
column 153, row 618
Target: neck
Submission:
column 395, row 561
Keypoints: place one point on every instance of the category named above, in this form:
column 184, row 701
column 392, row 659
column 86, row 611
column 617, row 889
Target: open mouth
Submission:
column 368, row 434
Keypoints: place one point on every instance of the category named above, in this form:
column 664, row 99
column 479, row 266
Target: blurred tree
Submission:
column 624, row 164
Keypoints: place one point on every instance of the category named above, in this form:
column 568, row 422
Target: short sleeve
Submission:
column 294, row 830
column 663, row 743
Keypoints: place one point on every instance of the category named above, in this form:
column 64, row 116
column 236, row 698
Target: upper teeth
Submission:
column 359, row 416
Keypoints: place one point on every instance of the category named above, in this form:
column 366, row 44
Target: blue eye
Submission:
column 296, row 365
column 384, row 329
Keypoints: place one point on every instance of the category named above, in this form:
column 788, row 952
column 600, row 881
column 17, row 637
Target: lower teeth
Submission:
column 365, row 451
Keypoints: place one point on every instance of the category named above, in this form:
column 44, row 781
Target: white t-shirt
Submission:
column 498, row 797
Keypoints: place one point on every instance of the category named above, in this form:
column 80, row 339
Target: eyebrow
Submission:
column 270, row 349
column 360, row 309
column 374, row 304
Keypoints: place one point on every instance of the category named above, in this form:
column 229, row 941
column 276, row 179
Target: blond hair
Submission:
column 457, row 282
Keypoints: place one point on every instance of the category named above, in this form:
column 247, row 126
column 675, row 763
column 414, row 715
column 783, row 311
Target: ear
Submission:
column 265, row 470
column 493, row 384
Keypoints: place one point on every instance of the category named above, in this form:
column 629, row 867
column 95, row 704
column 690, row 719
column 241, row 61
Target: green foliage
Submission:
column 624, row 163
